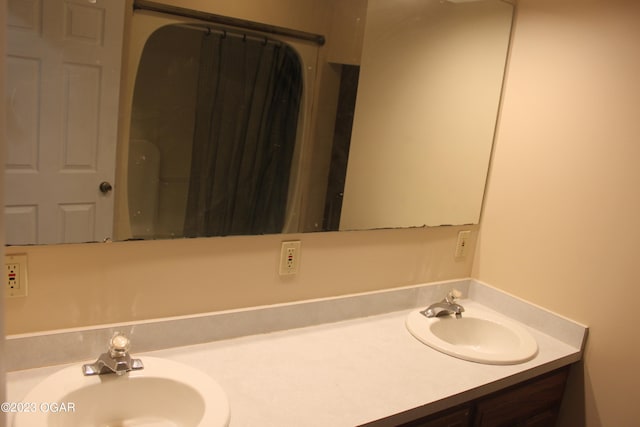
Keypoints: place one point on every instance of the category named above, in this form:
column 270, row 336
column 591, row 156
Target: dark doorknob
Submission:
column 105, row 187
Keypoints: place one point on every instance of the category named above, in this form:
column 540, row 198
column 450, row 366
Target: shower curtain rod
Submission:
column 230, row 33
column 226, row 20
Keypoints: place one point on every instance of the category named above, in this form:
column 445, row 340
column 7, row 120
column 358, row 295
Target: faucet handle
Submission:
column 453, row 295
column 119, row 345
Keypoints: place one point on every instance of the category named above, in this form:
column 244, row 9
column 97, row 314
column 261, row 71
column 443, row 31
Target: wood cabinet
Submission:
column 532, row 403
column 458, row 417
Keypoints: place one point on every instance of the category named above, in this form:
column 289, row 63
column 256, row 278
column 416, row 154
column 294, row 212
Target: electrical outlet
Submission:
column 462, row 245
column 15, row 276
column 289, row 257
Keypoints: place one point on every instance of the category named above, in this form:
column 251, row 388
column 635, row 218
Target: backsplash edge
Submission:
column 34, row 350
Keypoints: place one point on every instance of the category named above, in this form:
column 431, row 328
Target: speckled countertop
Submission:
column 355, row 371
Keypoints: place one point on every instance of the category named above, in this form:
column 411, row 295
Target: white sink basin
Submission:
column 479, row 336
column 163, row 394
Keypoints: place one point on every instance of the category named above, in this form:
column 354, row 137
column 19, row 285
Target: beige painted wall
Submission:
column 425, row 114
column 305, row 15
column 347, row 25
column 89, row 284
column 559, row 226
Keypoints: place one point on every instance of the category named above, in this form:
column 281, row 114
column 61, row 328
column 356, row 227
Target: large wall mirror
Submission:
column 168, row 119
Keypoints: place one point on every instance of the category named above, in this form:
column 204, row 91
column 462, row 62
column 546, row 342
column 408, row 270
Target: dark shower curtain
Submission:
column 247, row 107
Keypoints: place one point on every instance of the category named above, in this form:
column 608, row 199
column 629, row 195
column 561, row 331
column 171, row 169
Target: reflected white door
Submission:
column 63, row 79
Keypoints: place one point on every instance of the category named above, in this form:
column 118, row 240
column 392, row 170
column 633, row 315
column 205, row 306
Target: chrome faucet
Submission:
column 445, row 307
column 116, row 361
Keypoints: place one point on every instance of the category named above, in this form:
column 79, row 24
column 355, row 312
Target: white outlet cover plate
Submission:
column 21, row 291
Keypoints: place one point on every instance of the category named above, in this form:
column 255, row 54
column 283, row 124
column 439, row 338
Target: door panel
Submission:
column 63, row 82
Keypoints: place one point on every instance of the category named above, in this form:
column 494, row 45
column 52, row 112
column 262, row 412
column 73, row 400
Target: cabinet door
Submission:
column 460, row 417
column 544, row 419
column 533, row 403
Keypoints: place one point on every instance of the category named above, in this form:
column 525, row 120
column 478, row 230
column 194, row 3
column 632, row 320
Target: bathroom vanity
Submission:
column 343, row 361
column 532, row 403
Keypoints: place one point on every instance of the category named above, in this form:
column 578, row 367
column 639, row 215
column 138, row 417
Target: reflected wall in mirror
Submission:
column 418, row 119
column 428, row 100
